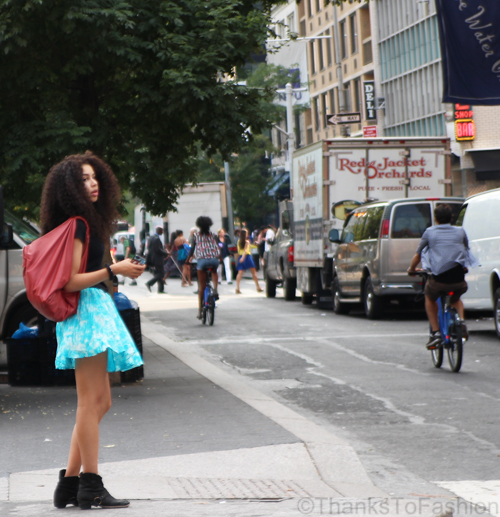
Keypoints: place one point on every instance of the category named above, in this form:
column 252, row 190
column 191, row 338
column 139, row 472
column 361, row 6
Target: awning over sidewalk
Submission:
column 280, row 187
column 486, row 163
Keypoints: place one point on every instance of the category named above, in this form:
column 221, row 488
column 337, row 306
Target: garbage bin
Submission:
column 31, row 361
column 132, row 320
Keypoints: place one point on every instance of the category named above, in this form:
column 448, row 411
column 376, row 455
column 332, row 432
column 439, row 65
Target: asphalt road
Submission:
column 370, row 382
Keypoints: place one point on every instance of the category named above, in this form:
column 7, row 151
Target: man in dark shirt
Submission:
column 158, row 256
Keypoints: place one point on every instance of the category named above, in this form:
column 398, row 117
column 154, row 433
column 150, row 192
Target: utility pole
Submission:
column 229, row 200
column 338, row 62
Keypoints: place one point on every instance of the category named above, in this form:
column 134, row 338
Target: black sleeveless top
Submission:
column 96, row 251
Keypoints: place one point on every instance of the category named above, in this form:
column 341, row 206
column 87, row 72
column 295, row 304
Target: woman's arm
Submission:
column 80, row 281
column 191, row 251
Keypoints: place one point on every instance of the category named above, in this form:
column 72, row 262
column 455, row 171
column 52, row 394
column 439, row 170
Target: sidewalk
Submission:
column 191, row 440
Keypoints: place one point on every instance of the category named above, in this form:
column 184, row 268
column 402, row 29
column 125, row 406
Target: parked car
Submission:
column 279, row 268
column 374, row 250
column 480, row 219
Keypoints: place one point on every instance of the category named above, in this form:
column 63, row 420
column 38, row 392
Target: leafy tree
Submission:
column 249, row 174
column 138, row 83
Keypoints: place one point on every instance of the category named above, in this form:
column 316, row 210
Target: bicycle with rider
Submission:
column 444, row 253
column 206, row 250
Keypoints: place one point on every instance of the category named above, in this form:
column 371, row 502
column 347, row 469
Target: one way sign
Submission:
column 344, row 118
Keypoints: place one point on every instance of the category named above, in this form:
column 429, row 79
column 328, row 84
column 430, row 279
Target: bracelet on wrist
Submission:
column 110, row 272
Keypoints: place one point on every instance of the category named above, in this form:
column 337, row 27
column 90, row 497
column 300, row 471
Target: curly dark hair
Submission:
column 203, row 223
column 64, row 195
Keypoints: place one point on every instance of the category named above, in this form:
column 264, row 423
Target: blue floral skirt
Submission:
column 96, row 327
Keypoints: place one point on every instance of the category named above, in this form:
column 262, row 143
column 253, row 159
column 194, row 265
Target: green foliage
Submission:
column 249, row 175
column 136, row 82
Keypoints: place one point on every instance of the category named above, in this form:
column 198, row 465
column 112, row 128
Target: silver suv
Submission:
column 374, row 251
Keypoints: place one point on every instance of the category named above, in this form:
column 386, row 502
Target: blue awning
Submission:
column 280, row 185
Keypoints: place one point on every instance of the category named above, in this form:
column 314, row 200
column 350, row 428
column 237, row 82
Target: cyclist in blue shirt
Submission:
column 444, row 252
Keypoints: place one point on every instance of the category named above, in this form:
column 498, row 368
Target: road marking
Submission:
column 484, row 494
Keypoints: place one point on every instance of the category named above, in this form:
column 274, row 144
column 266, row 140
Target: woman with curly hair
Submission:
column 207, row 253
column 95, row 339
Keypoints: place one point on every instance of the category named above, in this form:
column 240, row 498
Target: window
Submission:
column 410, row 220
column 347, row 93
column 313, row 65
column 316, row 114
column 328, row 48
column 357, row 96
column 291, row 23
column 318, row 6
column 371, row 230
column 309, row 8
column 298, row 132
column 354, row 229
column 343, row 40
column 354, row 33
column 332, row 101
column 27, row 233
column 324, row 109
column 320, row 55
column 303, row 28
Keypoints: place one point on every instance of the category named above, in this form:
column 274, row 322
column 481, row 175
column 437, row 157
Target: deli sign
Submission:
column 369, row 91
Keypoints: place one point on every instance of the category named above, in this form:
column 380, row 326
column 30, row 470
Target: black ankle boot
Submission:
column 91, row 492
column 66, row 490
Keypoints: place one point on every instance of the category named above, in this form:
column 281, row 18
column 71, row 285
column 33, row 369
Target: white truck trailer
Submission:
column 202, row 199
column 355, row 169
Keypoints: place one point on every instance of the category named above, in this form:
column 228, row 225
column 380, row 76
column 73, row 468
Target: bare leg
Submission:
column 202, row 282
column 215, row 280
column 238, row 279
column 460, row 309
column 94, row 401
column 431, row 308
column 255, row 279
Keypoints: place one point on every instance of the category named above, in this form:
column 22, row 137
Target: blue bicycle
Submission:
column 208, row 306
column 452, row 331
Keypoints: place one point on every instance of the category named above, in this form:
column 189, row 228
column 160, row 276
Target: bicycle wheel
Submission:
column 204, row 315
column 455, row 350
column 437, row 356
column 211, row 310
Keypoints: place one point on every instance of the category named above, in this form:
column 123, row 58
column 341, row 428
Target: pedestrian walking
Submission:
column 182, row 246
column 95, row 340
column 224, row 241
column 245, row 262
column 171, row 264
column 156, row 258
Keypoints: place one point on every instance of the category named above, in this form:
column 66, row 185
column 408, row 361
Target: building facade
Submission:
column 340, row 62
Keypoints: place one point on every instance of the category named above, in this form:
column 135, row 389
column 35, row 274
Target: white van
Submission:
column 480, row 218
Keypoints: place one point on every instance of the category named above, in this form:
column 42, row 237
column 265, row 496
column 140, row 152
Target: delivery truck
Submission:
column 331, row 177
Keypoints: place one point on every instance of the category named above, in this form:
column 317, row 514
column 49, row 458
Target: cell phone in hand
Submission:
column 138, row 260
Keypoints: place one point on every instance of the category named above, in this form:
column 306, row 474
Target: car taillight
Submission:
column 384, row 230
column 290, row 254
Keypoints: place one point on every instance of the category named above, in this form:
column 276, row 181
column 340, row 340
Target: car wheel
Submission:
column 496, row 307
column 307, row 299
column 338, row 306
column 371, row 302
column 25, row 314
column 270, row 288
column 289, row 287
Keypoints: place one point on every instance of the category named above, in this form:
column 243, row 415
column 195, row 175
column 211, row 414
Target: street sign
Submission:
column 344, row 118
column 370, row 131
